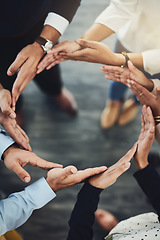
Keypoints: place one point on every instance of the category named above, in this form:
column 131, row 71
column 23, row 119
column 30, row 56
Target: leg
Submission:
column 50, row 82
column 113, row 112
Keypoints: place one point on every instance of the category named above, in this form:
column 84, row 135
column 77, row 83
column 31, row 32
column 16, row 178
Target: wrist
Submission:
column 51, row 184
column 119, row 59
column 141, row 163
column 9, row 150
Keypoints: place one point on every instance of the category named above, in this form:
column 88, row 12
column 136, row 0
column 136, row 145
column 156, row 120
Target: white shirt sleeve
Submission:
column 58, row 22
column 151, row 61
column 5, row 142
column 117, row 14
column 18, row 207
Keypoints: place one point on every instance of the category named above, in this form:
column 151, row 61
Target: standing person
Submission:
column 30, row 29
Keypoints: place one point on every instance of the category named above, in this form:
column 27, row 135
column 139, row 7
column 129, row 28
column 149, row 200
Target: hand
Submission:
column 107, row 178
column 26, row 62
column 145, row 97
column 67, row 177
column 8, row 121
column 122, row 74
column 145, row 139
column 52, row 58
column 15, row 159
column 92, row 51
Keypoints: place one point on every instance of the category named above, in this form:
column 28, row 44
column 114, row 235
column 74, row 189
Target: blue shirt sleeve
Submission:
column 18, row 207
column 5, row 142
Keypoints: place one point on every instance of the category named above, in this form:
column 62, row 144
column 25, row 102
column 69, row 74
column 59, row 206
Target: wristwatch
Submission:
column 45, row 43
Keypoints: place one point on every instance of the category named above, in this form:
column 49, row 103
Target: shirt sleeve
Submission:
column 149, row 181
column 151, row 59
column 18, row 207
column 61, row 14
column 5, row 142
column 82, row 217
column 118, row 13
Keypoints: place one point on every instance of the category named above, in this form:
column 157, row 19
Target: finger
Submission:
column 39, row 162
column 151, row 120
column 54, row 63
column 112, row 69
column 91, row 172
column 21, row 173
column 69, row 170
column 8, row 111
column 86, row 44
column 128, row 156
column 109, row 77
column 15, row 65
column 158, row 91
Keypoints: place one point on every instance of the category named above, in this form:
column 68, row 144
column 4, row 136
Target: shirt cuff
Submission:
column 151, row 59
column 40, row 192
column 156, row 83
column 5, row 142
column 56, row 21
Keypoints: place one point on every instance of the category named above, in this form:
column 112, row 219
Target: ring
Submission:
column 140, row 94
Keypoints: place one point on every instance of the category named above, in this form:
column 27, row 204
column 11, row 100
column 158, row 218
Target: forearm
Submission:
column 97, row 32
column 18, row 207
column 82, row 217
column 149, row 181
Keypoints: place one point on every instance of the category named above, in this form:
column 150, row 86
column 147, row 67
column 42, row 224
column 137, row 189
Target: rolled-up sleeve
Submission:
column 5, row 142
column 117, row 14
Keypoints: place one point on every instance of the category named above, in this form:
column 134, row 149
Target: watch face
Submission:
column 48, row 46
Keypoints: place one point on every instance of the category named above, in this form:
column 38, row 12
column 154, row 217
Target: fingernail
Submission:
column 26, row 179
column 73, row 170
column 9, row 72
column 127, row 165
column 132, row 82
column 12, row 115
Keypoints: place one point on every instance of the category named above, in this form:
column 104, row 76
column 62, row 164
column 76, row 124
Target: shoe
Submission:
column 66, row 102
column 128, row 113
column 110, row 114
column 106, row 219
column 12, row 235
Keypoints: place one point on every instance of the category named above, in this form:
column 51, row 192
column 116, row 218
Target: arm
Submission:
column 18, row 207
column 82, row 217
column 146, row 176
column 149, row 181
column 29, row 57
column 16, row 158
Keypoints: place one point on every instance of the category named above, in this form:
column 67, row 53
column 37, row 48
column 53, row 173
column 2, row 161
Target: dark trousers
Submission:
column 48, row 80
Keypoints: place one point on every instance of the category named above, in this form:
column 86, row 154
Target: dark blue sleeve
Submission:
column 65, row 8
column 82, row 217
column 149, row 181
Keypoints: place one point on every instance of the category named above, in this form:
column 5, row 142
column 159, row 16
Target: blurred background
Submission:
column 79, row 141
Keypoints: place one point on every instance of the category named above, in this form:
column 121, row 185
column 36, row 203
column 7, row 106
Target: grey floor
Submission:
column 79, row 141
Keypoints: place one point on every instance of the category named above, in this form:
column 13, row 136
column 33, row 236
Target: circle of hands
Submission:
column 58, row 177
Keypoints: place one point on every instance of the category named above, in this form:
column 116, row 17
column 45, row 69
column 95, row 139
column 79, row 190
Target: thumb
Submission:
column 132, row 68
column 85, row 43
column 8, row 111
column 69, row 170
column 22, row 174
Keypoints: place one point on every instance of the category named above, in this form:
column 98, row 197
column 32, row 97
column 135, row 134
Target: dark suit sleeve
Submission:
column 82, row 217
column 65, row 8
column 149, row 181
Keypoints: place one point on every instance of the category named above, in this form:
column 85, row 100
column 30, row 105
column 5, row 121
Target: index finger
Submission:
column 13, row 68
